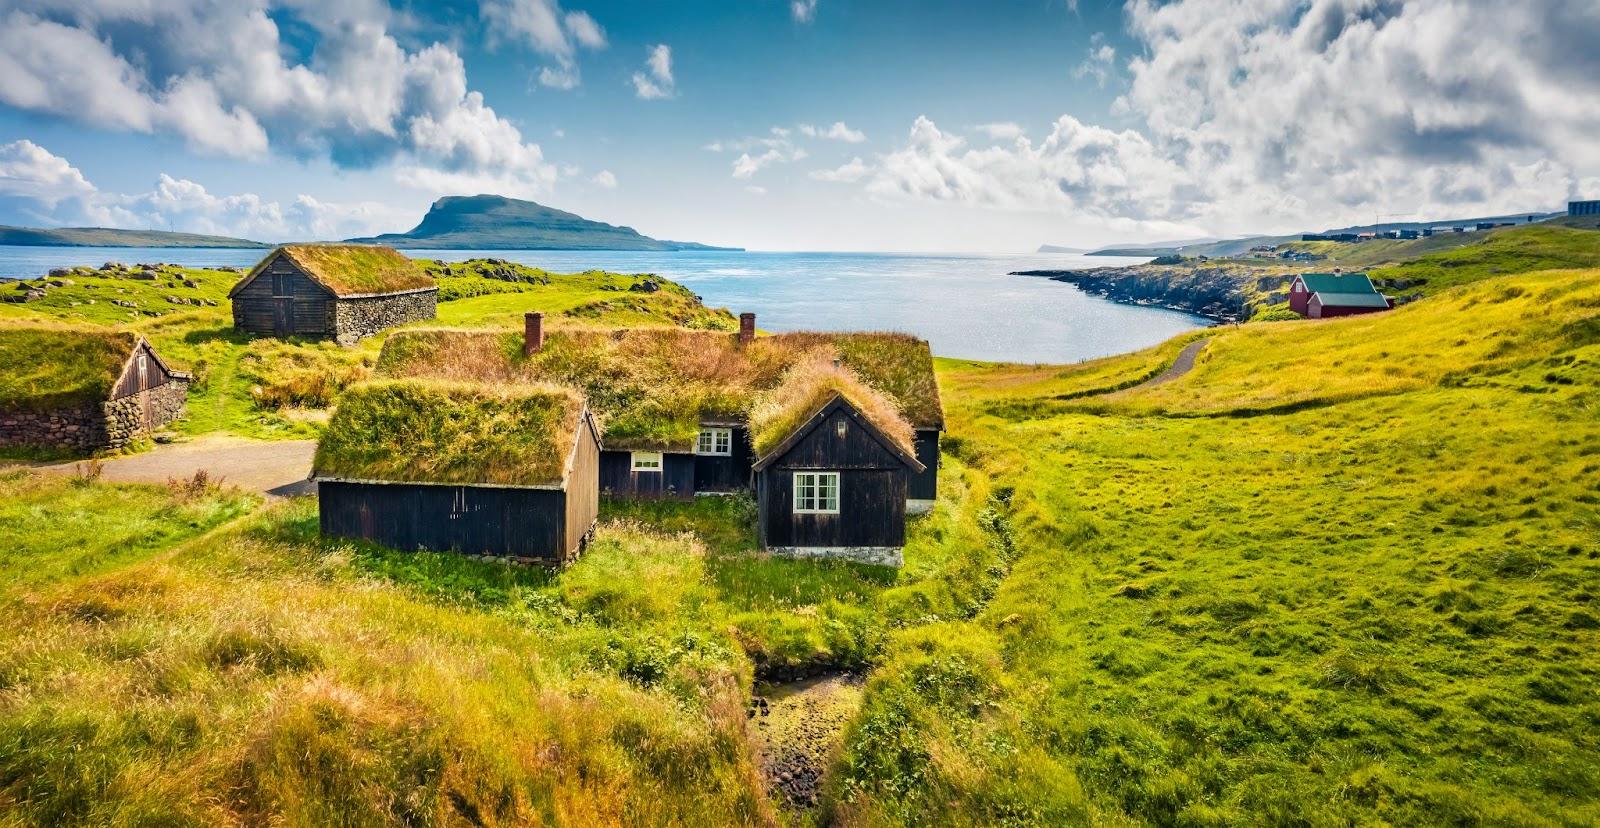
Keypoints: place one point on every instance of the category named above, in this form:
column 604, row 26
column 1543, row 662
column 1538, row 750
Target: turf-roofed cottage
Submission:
column 343, row 292
column 1325, row 295
column 83, row 390
column 506, row 471
column 675, row 404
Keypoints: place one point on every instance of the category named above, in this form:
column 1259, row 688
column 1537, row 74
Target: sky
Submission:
column 852, row 125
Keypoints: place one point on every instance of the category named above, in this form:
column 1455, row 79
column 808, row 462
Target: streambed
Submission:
column 801, row 725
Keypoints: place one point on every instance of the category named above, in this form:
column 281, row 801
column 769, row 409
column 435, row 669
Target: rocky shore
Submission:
column 1224, row 293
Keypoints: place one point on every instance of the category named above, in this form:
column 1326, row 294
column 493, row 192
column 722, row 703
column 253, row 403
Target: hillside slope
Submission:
column 488, row 222
column 111, row 237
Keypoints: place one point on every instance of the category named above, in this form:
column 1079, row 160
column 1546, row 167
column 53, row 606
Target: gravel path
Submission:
column 1180, row 366
column 277, row 468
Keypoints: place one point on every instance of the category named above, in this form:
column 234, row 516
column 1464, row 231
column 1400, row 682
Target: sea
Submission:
column 966, row 305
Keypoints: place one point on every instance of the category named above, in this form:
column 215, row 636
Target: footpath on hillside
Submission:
column 1180, row 366
column 275, row 468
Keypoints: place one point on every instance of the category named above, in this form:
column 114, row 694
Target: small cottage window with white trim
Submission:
column 646, row 461
column 816, row 493
column 717, row 442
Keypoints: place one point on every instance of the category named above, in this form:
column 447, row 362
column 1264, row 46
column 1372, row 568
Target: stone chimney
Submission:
column 532, row 333
column 747, row 329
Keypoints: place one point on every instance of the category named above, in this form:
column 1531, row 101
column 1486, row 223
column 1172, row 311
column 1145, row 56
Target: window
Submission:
column 715, row 441
column 281, row 285
column 647, row 461
column 816, row 493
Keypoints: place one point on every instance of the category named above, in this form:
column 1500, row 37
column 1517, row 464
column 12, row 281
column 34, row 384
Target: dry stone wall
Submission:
column 94, row 426
column 356, row 319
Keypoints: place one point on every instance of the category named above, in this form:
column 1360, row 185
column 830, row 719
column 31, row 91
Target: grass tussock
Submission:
column 300, row 375
column 809, row 385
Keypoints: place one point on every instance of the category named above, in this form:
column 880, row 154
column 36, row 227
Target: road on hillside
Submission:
column 276, row 468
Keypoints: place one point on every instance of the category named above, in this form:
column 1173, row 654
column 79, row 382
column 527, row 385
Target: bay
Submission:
column 966, row 306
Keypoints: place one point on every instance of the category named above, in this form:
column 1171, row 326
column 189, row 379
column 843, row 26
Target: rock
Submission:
column 33, row 296
column 62, row 283
column 123, row 303
column 59, row 271
column 646, row 286
column 143, row 276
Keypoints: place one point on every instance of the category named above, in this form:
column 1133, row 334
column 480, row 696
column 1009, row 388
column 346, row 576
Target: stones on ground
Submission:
column 802, row 726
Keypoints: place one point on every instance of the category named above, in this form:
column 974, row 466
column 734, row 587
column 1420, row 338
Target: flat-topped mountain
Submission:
column 490, row 222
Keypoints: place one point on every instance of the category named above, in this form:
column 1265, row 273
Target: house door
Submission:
column 282, row 316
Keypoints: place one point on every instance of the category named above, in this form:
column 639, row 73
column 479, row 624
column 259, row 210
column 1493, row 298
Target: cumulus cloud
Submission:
column 1001, row 130
column 804, row 11
column 656, row 81
column 837, row 132
column 553, row 33
column 605, row 180
column 221, row 77
column 747, row 165
column 45, row 188
column 1283, row 114
column 851, row 172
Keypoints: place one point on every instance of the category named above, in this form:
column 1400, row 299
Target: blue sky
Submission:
column 772, row 124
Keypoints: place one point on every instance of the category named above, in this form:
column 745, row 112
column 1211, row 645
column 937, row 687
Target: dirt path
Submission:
column 277, row 468
column 1180, row 366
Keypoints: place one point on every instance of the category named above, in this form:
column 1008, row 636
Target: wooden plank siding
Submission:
column 872, row 489
column 583, row 490
column 715, row 473
column 924, row 485
column 310, row 305
column 523, row 523
column 140, row 374
column 617, row 477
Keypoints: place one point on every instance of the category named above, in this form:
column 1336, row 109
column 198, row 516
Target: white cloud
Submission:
column 853, row 171
column 559, row 78
column 1001, row 130
column 656, row 80
column 605, row 180
column 804, row 11
column 219, row 76
column 1098, row 64
column 585, row 31
column 747, row 165
column 49, row 190
column 837, row 132
column 1288, row 114
column 755, row 189
column 551, row 32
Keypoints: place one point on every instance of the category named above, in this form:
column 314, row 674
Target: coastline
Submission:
column 1213, row 294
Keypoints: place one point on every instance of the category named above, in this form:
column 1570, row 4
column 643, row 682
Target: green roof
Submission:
column 652, row 387
column 1352, row 300
column 1338, row 283
column 349, row 269
column 47, row 368
column 423, row 431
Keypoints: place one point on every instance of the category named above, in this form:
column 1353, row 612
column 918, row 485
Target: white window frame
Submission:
column 714, row 441
column 809, row 492
column 652, row 461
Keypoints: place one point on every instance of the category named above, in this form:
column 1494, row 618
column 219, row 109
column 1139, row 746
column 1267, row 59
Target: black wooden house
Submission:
column 339, row 292
column 481, row 470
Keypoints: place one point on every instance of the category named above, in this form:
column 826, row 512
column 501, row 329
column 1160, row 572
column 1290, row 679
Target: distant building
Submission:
column 1583, row 208
column 1333, row 237
column 1324, row 295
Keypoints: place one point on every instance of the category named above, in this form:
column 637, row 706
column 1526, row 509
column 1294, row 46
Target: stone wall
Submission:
column 356, row 319
column 94, row 426
column 879, row 555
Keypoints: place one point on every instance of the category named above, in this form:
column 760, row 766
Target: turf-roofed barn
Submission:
column 81, row 390
column 340, row 292
column 675, row 404
column 508, row 471
column 833, row 460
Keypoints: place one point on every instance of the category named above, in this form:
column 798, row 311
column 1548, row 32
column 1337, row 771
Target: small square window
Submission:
column 716, row 442
column 816, row 493
column 646, row 461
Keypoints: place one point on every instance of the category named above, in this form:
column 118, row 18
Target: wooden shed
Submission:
column 509, row 472
column 83, row 390
column 835, row 461
column 339, row 292
column 675, row 404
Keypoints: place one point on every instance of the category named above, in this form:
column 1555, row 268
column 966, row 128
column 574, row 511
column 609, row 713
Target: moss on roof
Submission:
column 651, row 388
column 350, row 269
column 44, row 368
column 810, row 385
column 428, row 431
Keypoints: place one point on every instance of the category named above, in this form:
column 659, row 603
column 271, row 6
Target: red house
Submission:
column 1324, row 295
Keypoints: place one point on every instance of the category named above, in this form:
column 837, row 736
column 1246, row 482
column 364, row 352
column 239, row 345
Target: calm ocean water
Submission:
column 965, row 305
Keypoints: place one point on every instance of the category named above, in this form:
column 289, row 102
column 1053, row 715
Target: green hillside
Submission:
column 488, row 222
column 1343, row 572
column 110, row 237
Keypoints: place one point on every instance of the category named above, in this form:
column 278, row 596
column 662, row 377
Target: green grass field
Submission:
column 1343, row 572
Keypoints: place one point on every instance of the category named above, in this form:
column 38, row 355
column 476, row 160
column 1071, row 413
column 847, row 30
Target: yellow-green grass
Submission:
column 49, row 367
column 1498, row 252
column 1376, row 610
column 812, row 383
column 351, row 269
column 429, row 431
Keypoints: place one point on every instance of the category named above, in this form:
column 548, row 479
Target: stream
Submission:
column 801, row 725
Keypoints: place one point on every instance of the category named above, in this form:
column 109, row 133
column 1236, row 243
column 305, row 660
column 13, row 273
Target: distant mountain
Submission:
column 489, row 222
column 1051, row 248
column 110, row 237
column 1234, row 247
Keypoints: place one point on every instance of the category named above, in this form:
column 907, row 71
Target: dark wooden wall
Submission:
column 583, row 490
column 676, row 478
column 872, row 490
column 255, row 309
column 924, row 485
column 726, row 474
column 527, row 523
column 134, row 380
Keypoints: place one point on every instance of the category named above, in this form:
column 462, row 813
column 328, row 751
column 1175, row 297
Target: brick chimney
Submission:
column 747, row 329
column 532, row 333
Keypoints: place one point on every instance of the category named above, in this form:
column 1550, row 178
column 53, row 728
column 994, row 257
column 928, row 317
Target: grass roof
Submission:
column 428, row 431
column 44, row 368
column 810, row 385
column 652, row 387
column 351, row 269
